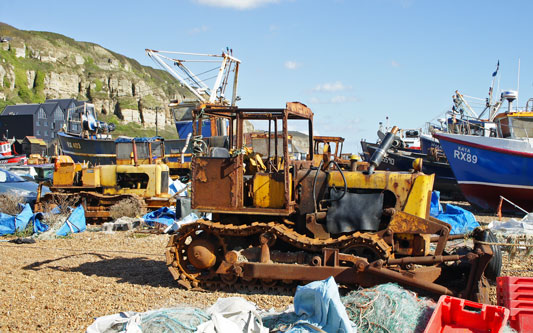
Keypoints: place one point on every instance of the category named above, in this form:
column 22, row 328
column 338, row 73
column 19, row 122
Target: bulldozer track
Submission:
column 208, row 279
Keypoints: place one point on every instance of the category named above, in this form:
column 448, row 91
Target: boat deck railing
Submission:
column 498, row 129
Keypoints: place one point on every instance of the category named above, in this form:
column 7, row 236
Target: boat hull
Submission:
column 102, row 151
column 94, row 151
column 427, row 143
column 487, row 168
column 13, row 160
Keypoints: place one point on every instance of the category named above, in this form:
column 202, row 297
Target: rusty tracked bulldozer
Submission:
column 277, row 221
column 138, row 175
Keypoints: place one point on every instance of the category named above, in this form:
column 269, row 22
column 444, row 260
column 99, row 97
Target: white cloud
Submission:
column 197, row 30
column 338, row 99
column 394, row 63
column 236, row 4
column 292, row 65
column 332, row 87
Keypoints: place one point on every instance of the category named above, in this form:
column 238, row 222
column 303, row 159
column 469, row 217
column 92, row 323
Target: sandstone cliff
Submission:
column 36, row 65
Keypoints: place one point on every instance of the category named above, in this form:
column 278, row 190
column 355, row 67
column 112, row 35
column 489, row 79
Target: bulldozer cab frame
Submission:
column 221, row 179
column 262, row 144
column 330, row 147
column 321, row 141
column 137, row 151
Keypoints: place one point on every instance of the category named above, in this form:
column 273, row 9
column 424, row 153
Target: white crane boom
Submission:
column 191, row 81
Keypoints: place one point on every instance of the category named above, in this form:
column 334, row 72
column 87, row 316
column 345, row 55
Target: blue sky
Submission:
column 352, row 62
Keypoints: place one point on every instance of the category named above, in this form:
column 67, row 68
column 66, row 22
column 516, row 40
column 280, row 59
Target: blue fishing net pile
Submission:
column 173, row 320
column 388, row 308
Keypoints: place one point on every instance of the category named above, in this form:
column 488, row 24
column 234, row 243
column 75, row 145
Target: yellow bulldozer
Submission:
column 139, row 173
column 283, row 221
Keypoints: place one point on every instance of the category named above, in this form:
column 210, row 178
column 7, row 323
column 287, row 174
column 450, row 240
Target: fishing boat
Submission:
column 487, row 167
column 7, row 157
column 86, row 139
column 404, row 139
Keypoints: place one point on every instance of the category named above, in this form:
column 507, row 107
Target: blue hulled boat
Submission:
column 487, row 167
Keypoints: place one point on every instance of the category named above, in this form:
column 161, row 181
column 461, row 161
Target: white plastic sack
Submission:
column 177, row 224
column 513, row 226
column 126, row 322
column 233, row 314
column 175, row 186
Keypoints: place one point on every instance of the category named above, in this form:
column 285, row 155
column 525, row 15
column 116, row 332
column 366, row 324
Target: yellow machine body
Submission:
column 150, row 180
column 269, row 190
column 65, row 170
column 412, row 190
column 91, row 177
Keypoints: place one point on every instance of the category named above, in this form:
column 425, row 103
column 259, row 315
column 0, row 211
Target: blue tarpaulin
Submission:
column 75, row 222
column 435, row 208
column 185, row 127
column 164, row 215
column 10, row 224
column 461, row 220
column 39, row 226
column 318, row 303
column 7, row 224
column 23, row 218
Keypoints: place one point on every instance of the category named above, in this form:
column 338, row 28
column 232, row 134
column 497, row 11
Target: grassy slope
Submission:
column 39, row 40
column 136, row 130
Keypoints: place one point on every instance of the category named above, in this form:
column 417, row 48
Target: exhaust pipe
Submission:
column 378, row 155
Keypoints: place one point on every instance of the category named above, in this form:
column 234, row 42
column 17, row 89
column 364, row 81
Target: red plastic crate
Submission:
column 521, row 320
column 512, row 288
column 520, row 305
column 454, row 314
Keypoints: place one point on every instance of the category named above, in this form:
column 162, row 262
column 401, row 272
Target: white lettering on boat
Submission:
column 388, row 160
column 75, row 145
column 463, row 154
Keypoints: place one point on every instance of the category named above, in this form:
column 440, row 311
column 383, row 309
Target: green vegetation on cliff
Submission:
column 38, row 65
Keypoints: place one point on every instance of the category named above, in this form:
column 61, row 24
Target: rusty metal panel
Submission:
column 298, row 272
column 299, row 109
column 305, row 179
column 214, row 182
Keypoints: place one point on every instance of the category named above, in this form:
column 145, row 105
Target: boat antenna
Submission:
column 493, row 108
column 518, row 85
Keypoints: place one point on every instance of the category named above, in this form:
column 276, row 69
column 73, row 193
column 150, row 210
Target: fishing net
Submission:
column 280, row 322
column 516, row 245
column 388, row 308
column 54, row 222
column 173, row 320
column 508, row 329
